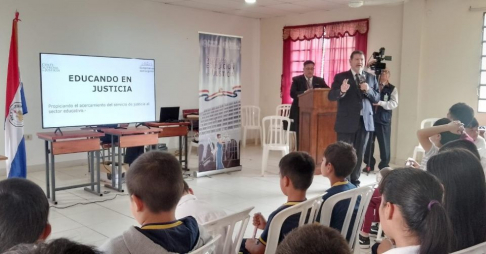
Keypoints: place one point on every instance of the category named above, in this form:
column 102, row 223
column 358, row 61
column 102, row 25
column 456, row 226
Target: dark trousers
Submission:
column 358, row 140
column 382, row 133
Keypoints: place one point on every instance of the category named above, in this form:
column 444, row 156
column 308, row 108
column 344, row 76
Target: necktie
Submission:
column 309, row 85
column 357, row 80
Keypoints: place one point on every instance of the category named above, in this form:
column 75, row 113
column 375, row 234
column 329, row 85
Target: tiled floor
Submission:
column 94, row 223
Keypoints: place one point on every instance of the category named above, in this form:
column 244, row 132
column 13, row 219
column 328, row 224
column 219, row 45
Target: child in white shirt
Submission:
column 473, row 131
column 411, row 213
column 433, row 138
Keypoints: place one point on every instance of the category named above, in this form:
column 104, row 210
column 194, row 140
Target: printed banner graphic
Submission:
column 219, row 102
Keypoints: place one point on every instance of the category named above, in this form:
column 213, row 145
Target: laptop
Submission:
column 169, row 114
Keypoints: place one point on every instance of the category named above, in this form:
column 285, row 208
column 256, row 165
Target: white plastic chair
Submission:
column 365, row 192
column 476, row 249
column 228, row 224
column 308, row 207
column 208, row 248
column 277, row 140
column 425, row 123
column 283, row 110
column 250, row 120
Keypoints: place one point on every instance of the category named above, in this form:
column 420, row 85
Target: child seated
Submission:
column 296, row 175
column 372, row 214
column 24, row 212
column 473, row 131
column 433, row 138
column 57, row 246
column 154, row 182
column 337, row 164
column 412, row 214
column 314, row 239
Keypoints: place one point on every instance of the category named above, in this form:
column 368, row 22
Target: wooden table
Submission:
column 66, row 143
column 180, row 130
column 129, row 137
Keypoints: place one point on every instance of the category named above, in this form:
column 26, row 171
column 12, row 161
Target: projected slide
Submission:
column 89, row 90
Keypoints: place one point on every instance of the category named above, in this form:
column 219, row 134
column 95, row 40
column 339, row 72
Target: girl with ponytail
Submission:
column 412, row 214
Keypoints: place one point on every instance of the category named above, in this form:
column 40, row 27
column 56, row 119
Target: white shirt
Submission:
column 309, row 80
column 405, row 250
column 480, row 143
column 392, row 102
column 203, row 212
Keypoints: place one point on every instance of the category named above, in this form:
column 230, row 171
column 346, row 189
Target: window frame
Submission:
column 482, row 69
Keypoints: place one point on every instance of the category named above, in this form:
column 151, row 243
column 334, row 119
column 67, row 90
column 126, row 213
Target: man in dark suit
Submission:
column 300, row 84
column 355, row 90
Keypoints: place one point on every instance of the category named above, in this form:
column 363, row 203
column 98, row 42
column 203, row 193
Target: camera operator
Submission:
column 382, row 120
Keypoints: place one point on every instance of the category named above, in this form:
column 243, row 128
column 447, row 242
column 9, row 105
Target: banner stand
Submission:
column 214, row 172
column 219, row 104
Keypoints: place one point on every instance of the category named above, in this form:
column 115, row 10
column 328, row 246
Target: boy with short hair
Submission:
column 461, row 112
column 154, row 182
column 24, row 212
column 338, row 163
column 314, row 239
column 296, row 175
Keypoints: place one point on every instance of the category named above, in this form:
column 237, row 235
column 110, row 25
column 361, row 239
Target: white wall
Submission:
column 436, row 50
column 385, row 31
column 123, row 28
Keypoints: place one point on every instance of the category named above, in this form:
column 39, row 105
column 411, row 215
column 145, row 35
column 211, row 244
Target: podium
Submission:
column 316, row 126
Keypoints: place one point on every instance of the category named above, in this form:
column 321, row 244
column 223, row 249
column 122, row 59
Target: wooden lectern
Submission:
column 317, row 119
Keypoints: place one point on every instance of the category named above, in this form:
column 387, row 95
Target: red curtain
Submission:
column 328, row 45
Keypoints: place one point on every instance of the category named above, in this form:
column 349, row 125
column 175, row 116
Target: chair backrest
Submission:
column 250, row 116
column 361, row 195
column 230, row 242
column 283, row 110
column 476, row 249
column 208, row 248
column 273, row 127
column 429, row 122
column 307, row 210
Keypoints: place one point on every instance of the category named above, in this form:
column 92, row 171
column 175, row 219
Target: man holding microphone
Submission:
column 356, row 91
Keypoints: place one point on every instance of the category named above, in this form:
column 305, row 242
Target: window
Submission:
column 482, row 78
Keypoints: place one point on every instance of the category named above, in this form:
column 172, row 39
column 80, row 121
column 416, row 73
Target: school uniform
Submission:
column 339, row 211
column 289, row 224
column 404, row 250
column 181, row 236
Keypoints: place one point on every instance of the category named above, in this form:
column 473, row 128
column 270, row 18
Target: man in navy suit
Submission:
column 356, row 91
column 300, row 84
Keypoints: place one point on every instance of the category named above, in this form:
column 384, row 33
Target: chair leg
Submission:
column 264, row 160
column 415, row 153
column 378, row 236
column 244, row 137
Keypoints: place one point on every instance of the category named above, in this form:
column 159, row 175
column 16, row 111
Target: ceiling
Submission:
column 262, row 8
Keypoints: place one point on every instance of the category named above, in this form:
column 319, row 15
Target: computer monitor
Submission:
column 169, row 114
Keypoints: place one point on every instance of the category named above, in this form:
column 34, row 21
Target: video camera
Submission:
column 378, row 66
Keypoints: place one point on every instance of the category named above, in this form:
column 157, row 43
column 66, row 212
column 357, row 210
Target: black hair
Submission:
column 342, row 157
column 473, row 124
column 462, row 175
column 461, row 144
column 57, row 246
column 156, row 178
column 309, row 62
column 313, row 239
column 415, row 192
column 446, row 136
column 24, row 212
column 299, row 167
column 462, row 112
column 356, row 52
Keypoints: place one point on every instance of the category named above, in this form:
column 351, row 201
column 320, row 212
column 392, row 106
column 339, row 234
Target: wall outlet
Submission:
column 28, row 136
